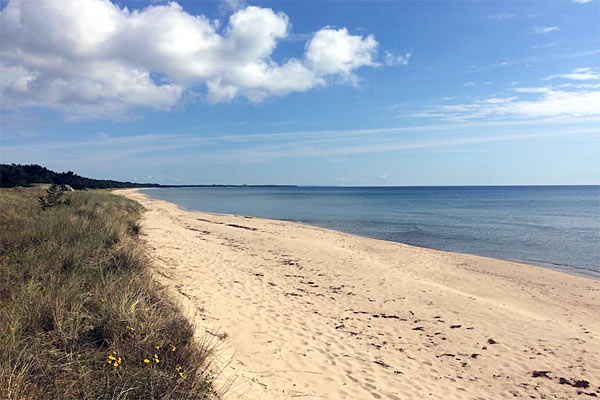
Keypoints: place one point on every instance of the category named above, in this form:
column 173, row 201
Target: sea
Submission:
column 552, row 226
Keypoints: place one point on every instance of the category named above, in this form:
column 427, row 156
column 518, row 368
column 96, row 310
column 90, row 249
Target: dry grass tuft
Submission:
column 80, row 316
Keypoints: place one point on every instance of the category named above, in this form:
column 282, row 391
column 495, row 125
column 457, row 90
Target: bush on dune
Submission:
column 80, row 316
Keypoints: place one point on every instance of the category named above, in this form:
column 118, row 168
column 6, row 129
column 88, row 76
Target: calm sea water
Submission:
column 555, row 226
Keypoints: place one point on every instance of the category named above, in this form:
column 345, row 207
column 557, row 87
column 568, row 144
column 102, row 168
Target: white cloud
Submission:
column 469, row 84
column 545, row 45
column 540, row 102
column 92, row 56
column 580, row 85
column 335, row 51
column 392, row 59
column 578, row 74
column 233, row 4
column 532, row 90
column 542, row 30
column 503, row 16
column 581, row 1
column 158, row 149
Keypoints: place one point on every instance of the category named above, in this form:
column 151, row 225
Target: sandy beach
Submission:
column 305, row 312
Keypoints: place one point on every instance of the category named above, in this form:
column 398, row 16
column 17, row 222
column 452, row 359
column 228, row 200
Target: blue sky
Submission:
column 304, row 92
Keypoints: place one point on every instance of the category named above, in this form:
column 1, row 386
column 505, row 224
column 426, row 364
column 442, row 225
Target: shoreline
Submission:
column 575, row 271
column 313, row 312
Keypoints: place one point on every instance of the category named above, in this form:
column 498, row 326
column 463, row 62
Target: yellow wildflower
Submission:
column 146, row 360
column 173, row 348
column 114, row 359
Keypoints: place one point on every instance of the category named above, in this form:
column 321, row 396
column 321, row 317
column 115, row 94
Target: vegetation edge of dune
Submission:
column 80, row 315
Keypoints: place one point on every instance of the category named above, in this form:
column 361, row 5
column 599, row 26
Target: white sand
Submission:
column 315, row 313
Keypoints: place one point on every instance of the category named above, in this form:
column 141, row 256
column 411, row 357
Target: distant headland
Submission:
column 12, row 175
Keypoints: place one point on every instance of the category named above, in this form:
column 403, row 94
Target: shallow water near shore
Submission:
column 553, row 226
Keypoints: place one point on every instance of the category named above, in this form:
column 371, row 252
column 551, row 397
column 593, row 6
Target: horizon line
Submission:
column 167, row 185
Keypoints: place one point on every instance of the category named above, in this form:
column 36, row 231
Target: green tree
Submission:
column 52, row 198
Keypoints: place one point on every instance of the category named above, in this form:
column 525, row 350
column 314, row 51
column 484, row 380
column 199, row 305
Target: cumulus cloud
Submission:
column 89, row 56
column 333, row 51
column 542, row 30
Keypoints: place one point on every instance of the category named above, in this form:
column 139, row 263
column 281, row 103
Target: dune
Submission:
column 306, row 312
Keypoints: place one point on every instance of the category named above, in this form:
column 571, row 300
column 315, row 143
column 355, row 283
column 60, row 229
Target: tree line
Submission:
column 12, row 175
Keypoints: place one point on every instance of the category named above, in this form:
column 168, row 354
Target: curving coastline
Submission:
column 551, row 226
column 317, row 313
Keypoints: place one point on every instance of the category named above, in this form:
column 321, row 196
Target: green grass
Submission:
column 75, row 291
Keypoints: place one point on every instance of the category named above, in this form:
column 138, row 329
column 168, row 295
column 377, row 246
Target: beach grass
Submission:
column 80, row 315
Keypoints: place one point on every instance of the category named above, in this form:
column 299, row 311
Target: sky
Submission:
column 304, row 92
